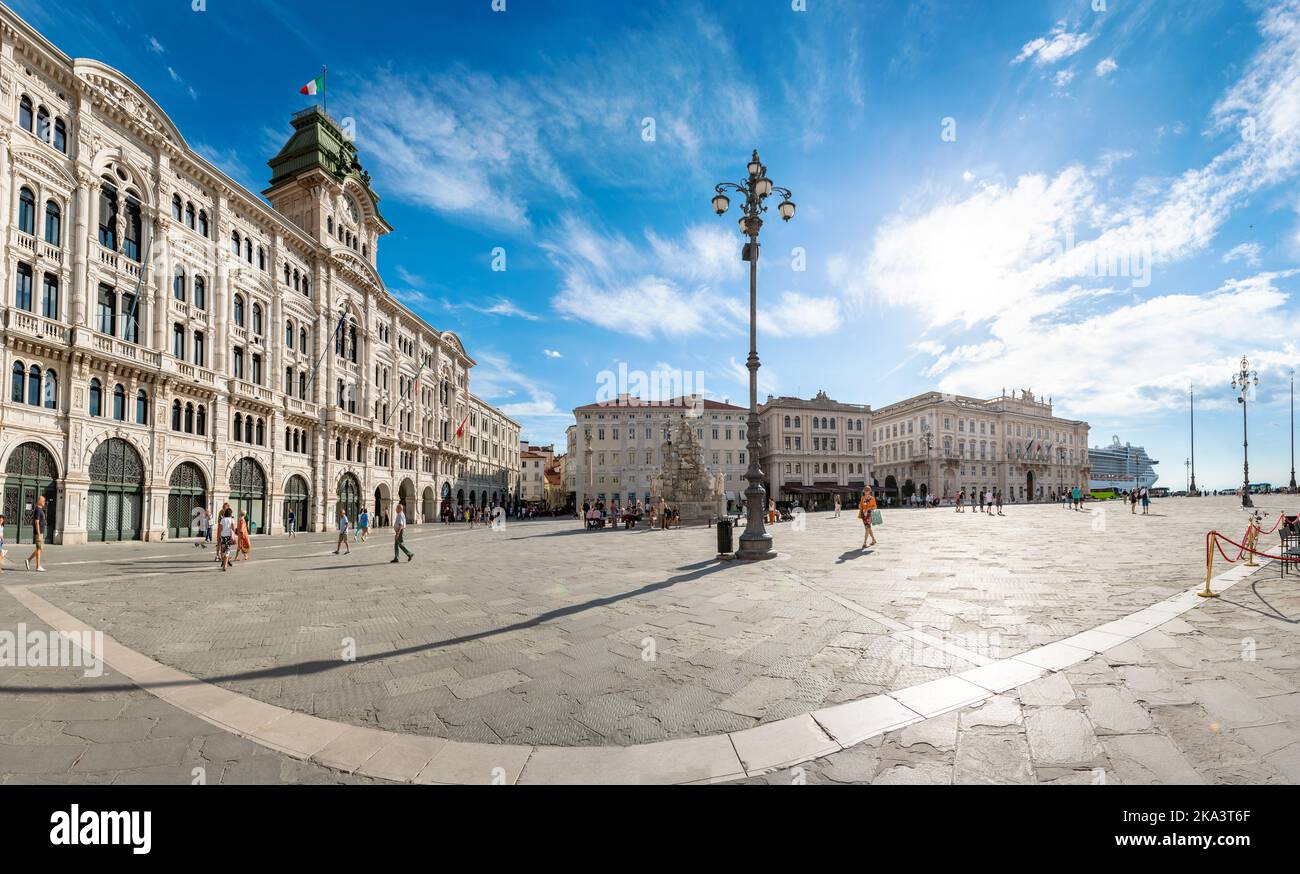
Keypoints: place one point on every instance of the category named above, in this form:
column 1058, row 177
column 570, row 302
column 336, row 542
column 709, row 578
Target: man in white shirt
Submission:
column 399, row 532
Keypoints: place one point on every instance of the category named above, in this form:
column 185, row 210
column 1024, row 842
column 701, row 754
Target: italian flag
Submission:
column 314, row 87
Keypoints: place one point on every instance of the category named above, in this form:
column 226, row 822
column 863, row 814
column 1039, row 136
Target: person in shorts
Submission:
column 38, row 535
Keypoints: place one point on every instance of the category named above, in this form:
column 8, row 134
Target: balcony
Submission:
column 38, row 327
column 119, row 263
column 38, row 248
column 192, row 373
column 122, row 349
column 251, row 391
column 300, row 407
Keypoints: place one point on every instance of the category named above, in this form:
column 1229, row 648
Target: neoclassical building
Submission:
column 814, row 449
column 941, row 443
column 172, row 338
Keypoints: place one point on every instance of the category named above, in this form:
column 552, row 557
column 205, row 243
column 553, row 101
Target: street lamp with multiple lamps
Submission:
column 1292, row 486
column 1243, row 380
column 755, row 542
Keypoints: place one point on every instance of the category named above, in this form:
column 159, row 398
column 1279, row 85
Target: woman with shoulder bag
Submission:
column 866, row 507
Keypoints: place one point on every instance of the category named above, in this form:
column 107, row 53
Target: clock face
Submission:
column 353, row 211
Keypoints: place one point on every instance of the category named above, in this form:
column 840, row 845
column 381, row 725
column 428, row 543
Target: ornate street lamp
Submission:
column 1191, row 459
column 1243, row 381
column 755, row 542
column 1292, row 431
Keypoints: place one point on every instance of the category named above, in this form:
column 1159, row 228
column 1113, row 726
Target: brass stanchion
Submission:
column 1211, row 542
column 1252, row 537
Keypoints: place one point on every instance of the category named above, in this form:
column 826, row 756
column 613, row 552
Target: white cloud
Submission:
column 1163, row 344
column 155, row 46
column 1056, row 46
column 551, row 353
column 1106, row 66
column 1063, row 78
column 1247, row 252
column 673, row 287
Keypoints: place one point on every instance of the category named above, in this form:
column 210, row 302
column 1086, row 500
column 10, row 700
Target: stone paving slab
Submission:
column 568, row 619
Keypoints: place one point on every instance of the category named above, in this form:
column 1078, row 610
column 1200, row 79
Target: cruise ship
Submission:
column 1121, row 466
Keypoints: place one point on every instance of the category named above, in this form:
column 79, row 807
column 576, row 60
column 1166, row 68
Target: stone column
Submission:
column 81, row 242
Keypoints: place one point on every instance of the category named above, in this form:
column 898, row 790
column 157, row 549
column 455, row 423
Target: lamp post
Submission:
column 755, row 542
column 1191, row 461
column 927, row 439
column 1243, row 380
column 1292, row 430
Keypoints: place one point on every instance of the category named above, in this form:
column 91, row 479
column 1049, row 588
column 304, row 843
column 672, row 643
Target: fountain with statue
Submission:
column 684, row 483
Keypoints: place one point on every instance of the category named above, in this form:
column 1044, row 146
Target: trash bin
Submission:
column 724, row 537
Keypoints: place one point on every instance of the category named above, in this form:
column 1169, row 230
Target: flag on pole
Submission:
column 314, row 87
column 460, row 432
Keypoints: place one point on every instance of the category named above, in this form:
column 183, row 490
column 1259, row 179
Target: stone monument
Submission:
column 685, row 483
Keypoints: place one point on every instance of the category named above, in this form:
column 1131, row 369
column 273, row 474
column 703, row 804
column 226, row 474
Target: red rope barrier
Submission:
column 1242, row 550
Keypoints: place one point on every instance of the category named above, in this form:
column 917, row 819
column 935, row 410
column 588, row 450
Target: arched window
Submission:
column 96, row 398
column 203, row 222
column 25, row 113
column 200, row 293
column 178, row 284
column 176, row 415
column 248, row 250
column 329, row 224
column 296, row 283
column 119, row 403
column 189, row 215
column 302, row 386
column 248, row 429
column 131, row 229
column 239, row 310
column 27, row 212
column 201, row 425
column 60, row 136
column 302, row 340
column 288, row 439
column 257, row 319
column 234, row 243
column 177, row 206
column 178, row 341
column 34, row 386
column 42, row 124
column 306, row 286
column 796, row 421
column 352, row 342
column 288, row 333
column 189, row 418
column 141, row 408
column 53, row 224
column 261, row 258
column 239, row 426
column 51, row 390
column 286, row 274
column 20, row 374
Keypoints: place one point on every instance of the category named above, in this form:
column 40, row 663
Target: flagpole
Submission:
column 324, row 87
column 414, row 383
column 139, row 283
column 333, row 338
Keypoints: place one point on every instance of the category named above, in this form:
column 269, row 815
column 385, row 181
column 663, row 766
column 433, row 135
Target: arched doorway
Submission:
column 891, row 487
column 116, row 497
column 1029, row 486
column 406, row 497
column 187, row 487
column 428, row 510
column 473, row 499
column 297, row 497
column 460, row 498
column 446, row 499
column 29, row 474
column 349, row 497
column 248, row 493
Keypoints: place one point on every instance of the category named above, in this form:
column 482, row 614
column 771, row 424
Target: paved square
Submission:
column 546, row 635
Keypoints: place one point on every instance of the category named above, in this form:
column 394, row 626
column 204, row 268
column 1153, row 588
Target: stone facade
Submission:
column 170, row 338
column 815, row 448
column 616, row 448
column 1011, row 443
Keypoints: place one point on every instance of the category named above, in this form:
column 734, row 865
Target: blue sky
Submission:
column 961, row 170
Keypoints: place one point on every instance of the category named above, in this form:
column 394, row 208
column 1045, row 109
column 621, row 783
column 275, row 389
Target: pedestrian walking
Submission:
column 1133, row 501
column 997, row 496
column 198, row 524
column 225, row 537
column 243, row 543
column 961, row 499
column 38, row 535
column 837, row 506
column 221, row 515
column 363, row 525
column 291, row 525
column 343, row 533
column 399, row 535
column 867, row 506
column 1146, row 501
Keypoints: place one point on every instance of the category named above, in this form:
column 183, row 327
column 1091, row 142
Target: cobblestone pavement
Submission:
column 546, row 634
